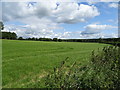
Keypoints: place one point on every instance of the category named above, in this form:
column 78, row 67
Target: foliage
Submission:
column 55, row 39
column 20, row 38
column 1, row 25
column 9, row 35
column 101, row 72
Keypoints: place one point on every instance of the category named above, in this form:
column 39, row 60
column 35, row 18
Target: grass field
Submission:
column 24, row 62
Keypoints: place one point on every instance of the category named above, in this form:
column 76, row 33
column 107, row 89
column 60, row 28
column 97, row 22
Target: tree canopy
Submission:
column 9, row 35
column 1, row 25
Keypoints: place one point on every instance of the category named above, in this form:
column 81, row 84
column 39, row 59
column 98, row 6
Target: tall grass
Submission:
column 101, row 72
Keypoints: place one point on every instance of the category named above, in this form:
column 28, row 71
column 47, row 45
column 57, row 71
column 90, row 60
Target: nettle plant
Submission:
column 101, row 72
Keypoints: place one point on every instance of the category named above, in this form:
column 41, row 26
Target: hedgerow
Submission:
column 101, row 72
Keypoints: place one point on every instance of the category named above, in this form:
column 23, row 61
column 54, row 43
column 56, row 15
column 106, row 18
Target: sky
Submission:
column 65, row 20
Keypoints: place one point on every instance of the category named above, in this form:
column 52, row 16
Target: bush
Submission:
column 102, row 72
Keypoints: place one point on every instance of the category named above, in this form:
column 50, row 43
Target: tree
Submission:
column 9, row 35
column 20, row 38
column 1, row 25
column 29, row 38
column 55, row 39
column 59, row 40
column 32, row 38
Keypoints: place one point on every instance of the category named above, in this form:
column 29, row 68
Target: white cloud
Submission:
column 109, row 0
column 80, row 35
column 64, row 13
column 41, row 19
column 113, row 5
column 73, row 13
column 110, row 20
column 13, row 11
column 61, row 0
column 99, row 0
column 99, row 35
column 34, row 28
column 29, row 31
column 94, row 28
column 40, row 1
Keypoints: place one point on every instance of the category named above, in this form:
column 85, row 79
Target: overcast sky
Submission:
column 61, row 19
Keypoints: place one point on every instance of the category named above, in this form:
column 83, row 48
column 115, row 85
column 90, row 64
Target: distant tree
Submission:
column 48, row 39
column 36, row 39
column 13, row 35
column 79, row 40
column 55, row 39
column 1, row 25
column 100, row 40
column 9, row 35
column 20, row 38
column 33, row 38
column 28, row 39
column 59, row 40
column 40, row 39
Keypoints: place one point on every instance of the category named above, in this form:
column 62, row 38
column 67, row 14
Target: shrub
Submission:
column 101, row 72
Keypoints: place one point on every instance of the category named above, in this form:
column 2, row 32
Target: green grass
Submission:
column 24, row 62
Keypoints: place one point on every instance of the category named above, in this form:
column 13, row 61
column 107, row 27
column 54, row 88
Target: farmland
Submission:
column 24, row 62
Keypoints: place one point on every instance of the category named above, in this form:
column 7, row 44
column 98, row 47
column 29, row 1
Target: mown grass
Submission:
column 24, row 62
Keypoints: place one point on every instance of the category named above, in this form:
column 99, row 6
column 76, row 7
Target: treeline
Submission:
column 40, row 39
column 100, row 40
column 9, row 35
column 113, row 41
column 13, row 36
